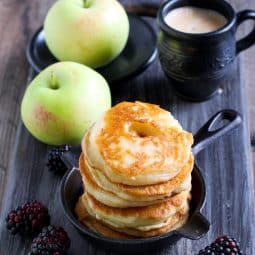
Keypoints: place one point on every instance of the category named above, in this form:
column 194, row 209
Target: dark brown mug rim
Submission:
column 166, row 7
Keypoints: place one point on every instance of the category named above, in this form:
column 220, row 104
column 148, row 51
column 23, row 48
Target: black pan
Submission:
column 72, row 187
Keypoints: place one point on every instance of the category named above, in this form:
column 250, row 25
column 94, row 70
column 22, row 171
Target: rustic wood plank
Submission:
column 249, row 74
column 18, row 19
column 226, row 165
column 9, row 73
column 2, row 182
column 247, row 65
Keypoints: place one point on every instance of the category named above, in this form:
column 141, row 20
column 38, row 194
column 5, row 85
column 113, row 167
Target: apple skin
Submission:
column 92, row 35
column 63, row 101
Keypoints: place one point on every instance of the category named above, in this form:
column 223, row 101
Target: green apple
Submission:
column 90, row 32
column 63, row 101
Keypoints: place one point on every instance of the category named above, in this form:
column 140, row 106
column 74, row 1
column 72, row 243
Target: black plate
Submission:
column 138, row 54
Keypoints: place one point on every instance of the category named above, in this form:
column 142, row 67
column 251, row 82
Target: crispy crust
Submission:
column 97, row 226
column 136, row 166
column 137, row 193
column 176, row 221
column 138, row 144
column 156, row 212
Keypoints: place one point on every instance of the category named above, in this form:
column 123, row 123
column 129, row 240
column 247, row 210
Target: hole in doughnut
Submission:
column 140, row 129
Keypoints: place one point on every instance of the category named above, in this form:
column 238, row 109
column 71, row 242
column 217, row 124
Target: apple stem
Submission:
column 86, row 3
column 53, row 82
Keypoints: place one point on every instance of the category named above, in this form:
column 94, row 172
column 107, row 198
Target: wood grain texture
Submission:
column 23, row 175
column 18, row 20
column 247, row 69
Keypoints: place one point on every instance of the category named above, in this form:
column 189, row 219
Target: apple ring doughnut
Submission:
column 137, row 144
column 123, row 196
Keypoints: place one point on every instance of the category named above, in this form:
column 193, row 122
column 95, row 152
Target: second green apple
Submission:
column 63, row 101
column 91, row 32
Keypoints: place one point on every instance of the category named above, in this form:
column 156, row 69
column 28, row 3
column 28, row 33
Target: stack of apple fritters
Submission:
column 136, row 165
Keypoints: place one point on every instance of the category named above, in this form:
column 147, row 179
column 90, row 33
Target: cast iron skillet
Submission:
column 71, row 188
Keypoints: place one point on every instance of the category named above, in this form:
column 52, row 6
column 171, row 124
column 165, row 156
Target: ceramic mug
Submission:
column 198, row 64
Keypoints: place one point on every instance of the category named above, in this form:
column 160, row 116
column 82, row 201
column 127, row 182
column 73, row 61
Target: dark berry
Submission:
column 51, row 241
column 55, row 164
column 28, row 219
column 223, row 245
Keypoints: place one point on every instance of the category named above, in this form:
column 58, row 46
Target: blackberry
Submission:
column 55, row 164
column 51, row 241
column 28, row 218
column 222, row 246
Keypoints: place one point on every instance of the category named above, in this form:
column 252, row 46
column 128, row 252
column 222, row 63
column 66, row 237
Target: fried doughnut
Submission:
column 121, row 195
column 149, row 217
column 176, row 221
column 137, row 144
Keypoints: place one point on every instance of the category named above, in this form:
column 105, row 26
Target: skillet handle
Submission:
column 208, row 134
column 197, row 227
column 71, row 158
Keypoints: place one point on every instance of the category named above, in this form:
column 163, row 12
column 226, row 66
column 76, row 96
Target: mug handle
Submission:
column 248, row 40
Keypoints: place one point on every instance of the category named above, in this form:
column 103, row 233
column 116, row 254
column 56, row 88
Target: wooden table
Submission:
column 223, row 163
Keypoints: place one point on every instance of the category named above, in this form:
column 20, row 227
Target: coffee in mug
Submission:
column 194, row 20
column 198, row 63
